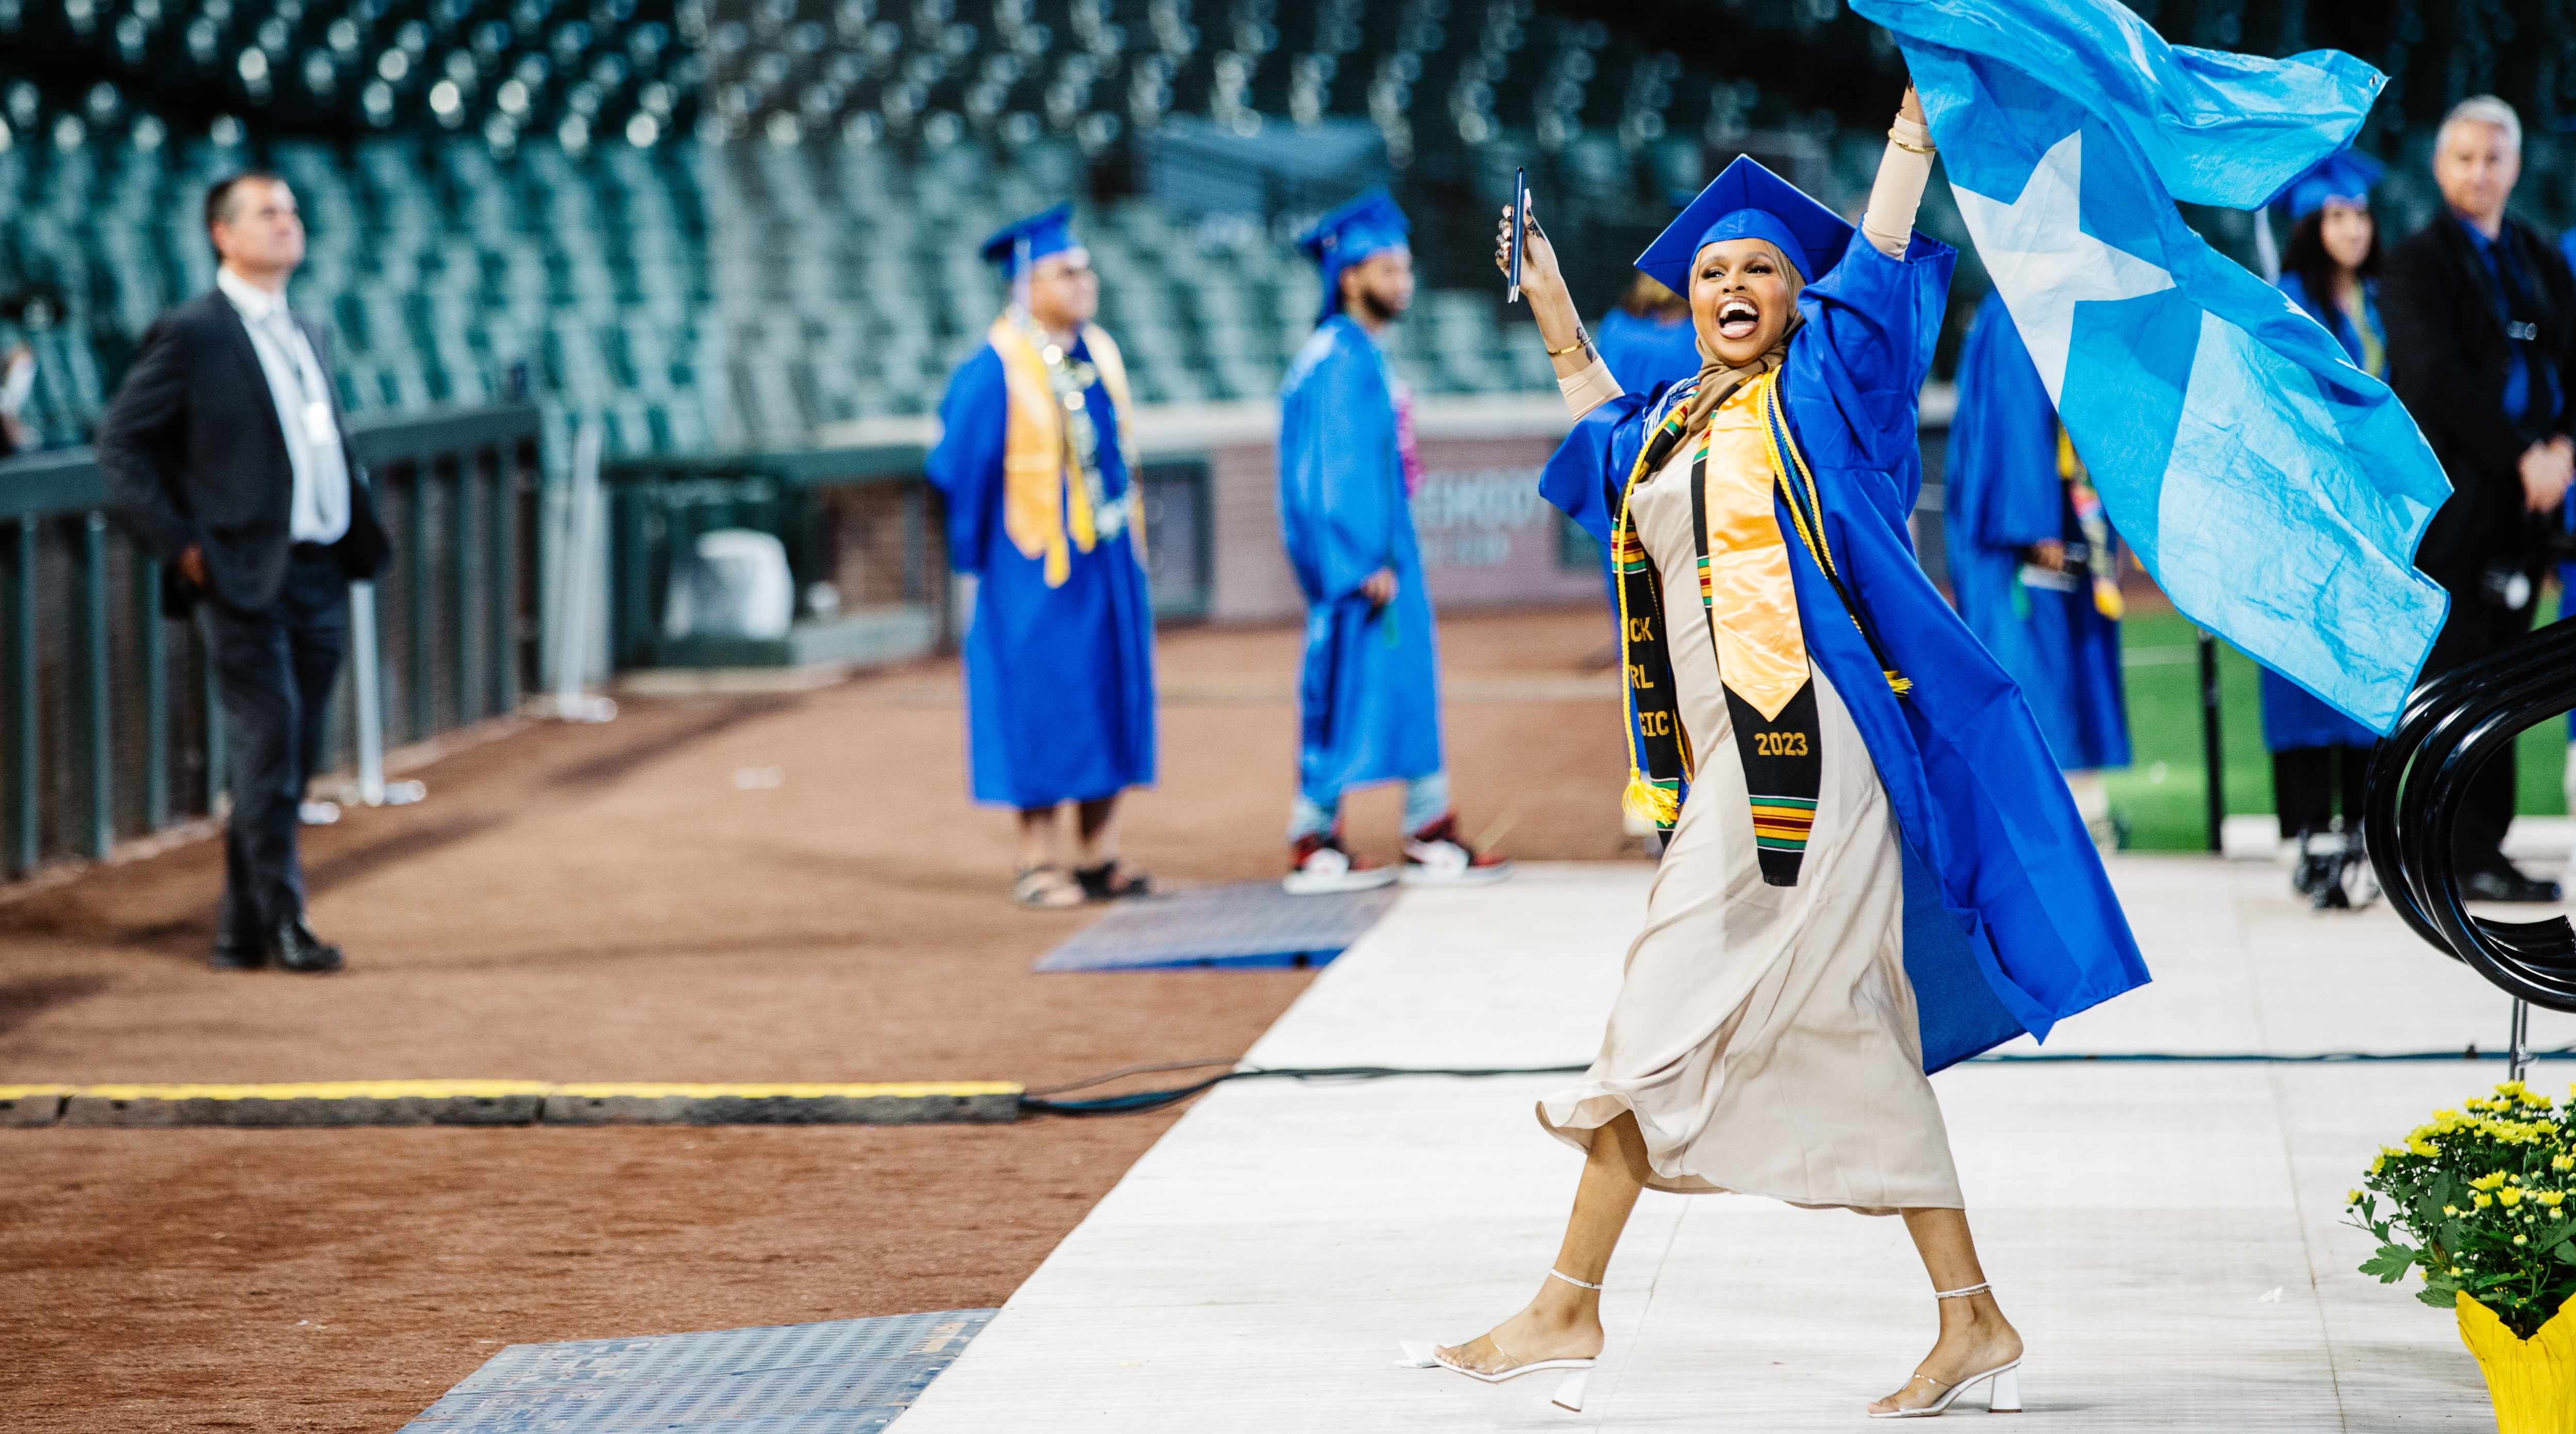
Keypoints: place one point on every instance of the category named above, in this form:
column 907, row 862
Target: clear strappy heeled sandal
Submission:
column 2003, row 1382
column 1423, row 1354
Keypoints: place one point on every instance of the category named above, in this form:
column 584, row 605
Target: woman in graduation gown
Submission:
column 2318, row 754
column 1874, row 869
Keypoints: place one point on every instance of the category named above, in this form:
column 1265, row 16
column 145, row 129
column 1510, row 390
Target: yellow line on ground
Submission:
column 449, row 1089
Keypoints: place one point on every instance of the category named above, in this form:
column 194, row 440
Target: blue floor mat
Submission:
column 1254, row 925
column 849, row 1376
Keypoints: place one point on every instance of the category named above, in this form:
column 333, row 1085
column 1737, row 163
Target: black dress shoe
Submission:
column 296, row 948
column 2502, row 882
column 234, row 955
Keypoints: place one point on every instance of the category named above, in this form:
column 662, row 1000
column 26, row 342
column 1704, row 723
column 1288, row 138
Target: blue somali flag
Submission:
column 2272, row 489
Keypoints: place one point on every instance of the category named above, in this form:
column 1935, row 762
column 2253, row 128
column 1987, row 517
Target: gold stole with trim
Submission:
column 1046, row 504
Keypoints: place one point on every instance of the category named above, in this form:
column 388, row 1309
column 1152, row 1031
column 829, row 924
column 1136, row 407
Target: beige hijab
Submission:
column 1718, row 378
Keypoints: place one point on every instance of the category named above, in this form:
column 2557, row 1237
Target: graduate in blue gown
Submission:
column 1036, row 463
column 2022, row 899
column 2033, row 567
column 1875, row 868
column 2321, row 757
column 1369, row 698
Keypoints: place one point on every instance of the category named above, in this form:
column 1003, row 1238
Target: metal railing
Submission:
column 107, row 712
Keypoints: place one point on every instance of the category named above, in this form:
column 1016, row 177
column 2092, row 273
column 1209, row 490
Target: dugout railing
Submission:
column 865, row 537
column 105, row 730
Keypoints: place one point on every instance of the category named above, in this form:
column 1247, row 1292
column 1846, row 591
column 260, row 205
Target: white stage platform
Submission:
column 2167, row 1237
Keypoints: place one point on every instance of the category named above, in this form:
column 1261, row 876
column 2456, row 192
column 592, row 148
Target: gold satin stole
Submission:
column 1744, row 582
column 1046, row 506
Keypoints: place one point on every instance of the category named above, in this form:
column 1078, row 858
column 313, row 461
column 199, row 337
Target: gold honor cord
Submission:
column 1655, row 787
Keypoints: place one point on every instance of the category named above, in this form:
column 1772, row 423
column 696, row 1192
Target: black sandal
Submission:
column 1111, row 881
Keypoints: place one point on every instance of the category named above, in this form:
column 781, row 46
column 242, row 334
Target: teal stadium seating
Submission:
column 722, row 223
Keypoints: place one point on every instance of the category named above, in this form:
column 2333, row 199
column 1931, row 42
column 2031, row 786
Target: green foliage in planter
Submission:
column 2477, row 1200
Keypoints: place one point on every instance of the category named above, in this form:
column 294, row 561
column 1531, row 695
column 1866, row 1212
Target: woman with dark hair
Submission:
column 1873, row 869
column 2332, row 272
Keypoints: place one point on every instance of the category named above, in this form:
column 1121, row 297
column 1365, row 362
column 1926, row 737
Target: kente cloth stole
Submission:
column 1052, row 501
column 1744, row 573
column 2101, row 560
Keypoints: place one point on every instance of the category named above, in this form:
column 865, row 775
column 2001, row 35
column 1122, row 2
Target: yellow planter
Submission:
column 2532, row 1381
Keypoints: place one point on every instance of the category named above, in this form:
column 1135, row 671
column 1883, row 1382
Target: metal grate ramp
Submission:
column 1253, row 925
column 851, row 1376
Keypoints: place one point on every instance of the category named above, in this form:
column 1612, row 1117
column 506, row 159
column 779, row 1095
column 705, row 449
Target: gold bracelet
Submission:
column 1582, row 340
column 1894, row 139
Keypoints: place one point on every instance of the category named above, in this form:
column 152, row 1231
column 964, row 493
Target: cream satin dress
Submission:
column 1764, row 1035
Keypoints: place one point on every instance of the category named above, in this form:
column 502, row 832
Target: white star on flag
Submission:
column 2044, row 262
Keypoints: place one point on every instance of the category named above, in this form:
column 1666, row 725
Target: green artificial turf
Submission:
column 2160, row 797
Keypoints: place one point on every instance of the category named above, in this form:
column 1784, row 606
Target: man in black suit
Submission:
column 2481, row 316
column 225, row 455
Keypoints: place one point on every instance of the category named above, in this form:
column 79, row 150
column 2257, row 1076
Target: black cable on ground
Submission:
column 1134, row 1101
column 1038, row 1102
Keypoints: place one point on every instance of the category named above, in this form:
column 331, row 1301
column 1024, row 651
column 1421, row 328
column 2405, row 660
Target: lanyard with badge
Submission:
column 320, row 429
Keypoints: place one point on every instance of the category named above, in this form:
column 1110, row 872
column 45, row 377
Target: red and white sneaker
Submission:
column 1434, row 856
column 1317, row 864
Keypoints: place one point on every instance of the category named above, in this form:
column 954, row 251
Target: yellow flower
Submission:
column 2417, row 1145
column 2352, row 1197
column 2451, row 1210
column 2378, row 1163
column 2521, row 1239
column 2488, row 1182
column 2482, row 1200
column 2562, row 1162
column 2550, row 1198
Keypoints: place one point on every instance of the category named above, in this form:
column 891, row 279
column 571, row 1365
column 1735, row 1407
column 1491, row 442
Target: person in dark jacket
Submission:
column 2481, row 317
column 225, row 456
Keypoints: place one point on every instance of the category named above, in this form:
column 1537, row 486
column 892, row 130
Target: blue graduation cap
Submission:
column 1047, row 233
column 1748, row 201
column 2342, row 177
column 1370, row 224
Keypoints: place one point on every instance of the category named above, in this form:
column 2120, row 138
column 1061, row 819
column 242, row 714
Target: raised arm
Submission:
column 1580, row 374
column 1903, row 170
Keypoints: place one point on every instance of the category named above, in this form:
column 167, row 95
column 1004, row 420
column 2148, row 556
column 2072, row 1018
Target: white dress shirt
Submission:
column 302, row 393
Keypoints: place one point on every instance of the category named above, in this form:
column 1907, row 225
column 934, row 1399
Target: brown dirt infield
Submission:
column 607, row 904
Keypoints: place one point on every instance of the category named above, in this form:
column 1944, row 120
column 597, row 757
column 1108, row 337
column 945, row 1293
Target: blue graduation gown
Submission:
column 2004, row 494
column 2293, row 717
column 1369, row 697
column 2010, row 921
column 1059, row 681
column 1643, row 353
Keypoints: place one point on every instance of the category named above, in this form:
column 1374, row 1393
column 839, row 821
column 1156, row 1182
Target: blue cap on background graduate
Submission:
column 1748, row 201
column 1370, row 224
column 1031, row 239
column 2342, row 177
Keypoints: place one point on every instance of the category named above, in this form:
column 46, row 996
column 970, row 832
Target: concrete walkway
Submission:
column 2167, row 1236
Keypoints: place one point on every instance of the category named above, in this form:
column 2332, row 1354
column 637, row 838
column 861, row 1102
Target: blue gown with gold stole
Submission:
column 1059, row 678
column 2010, row 921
